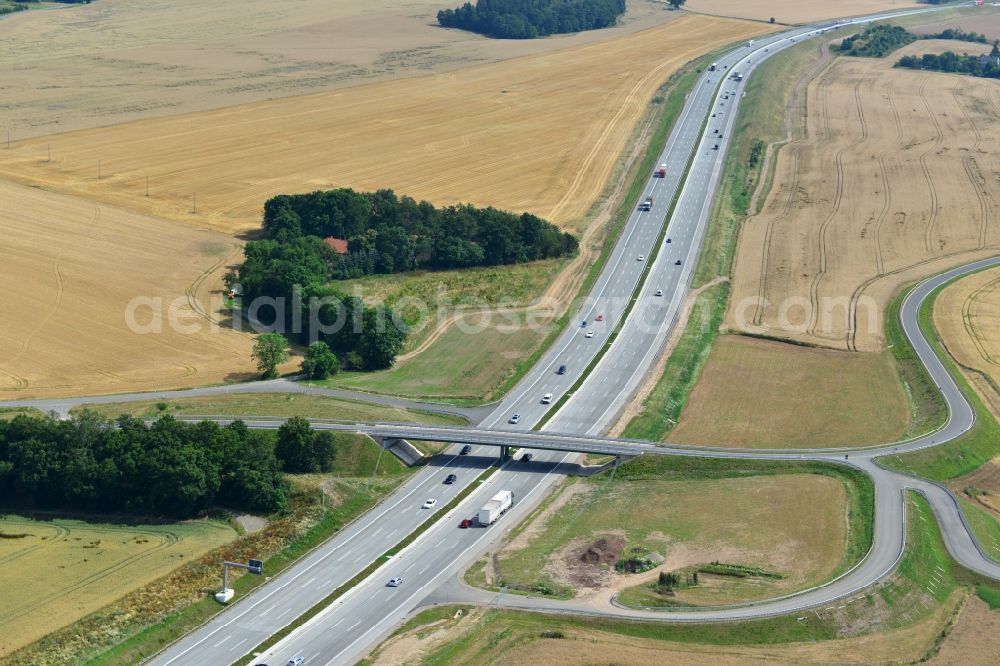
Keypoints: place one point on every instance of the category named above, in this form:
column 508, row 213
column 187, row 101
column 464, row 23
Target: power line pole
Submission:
column 98, row 169
column 147, row 186
column 49, row 148
column 194, row 203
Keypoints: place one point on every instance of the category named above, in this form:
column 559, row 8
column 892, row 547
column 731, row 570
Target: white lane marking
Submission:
column 221, row 642
column 238, row 644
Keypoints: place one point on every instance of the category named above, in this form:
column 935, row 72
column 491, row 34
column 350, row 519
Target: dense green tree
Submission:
column 320, row 362
column 676, row 4
column 526, row 19
column 270, row 351
column 167, row 468
column 301, row 449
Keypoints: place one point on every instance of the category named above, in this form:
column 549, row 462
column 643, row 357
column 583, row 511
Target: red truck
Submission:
column 661, row 171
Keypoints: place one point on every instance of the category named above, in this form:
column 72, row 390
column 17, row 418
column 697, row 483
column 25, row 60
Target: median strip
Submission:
column 373, row 567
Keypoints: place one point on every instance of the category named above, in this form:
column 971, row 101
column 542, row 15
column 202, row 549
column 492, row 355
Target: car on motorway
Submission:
column 677, row 263
column 430, row 504
column 547, row 399
column 465, row 524
column 395, row 581
column 599, row 318
column 515, row 418
column 561, row 370
column 641, row 258
column 466, row 450
column 583, row 324
column 589, row 334
column 668, row 239
column 450, row 479
column 715, row 147
column 296, row 661
column 527, row 457
column 659, row 292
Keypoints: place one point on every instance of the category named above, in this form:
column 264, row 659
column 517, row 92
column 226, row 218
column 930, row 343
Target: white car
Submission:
column 641, row 258
column 395, row 582
column 430, row 504
column 296, row 661
column 659, row 292
column 589, row 334
column 516, row 418
column 547, row 399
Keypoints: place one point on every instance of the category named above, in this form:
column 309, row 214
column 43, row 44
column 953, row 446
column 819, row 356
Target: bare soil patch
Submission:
column 893, row 179
column 540, row 133
column 763, row 393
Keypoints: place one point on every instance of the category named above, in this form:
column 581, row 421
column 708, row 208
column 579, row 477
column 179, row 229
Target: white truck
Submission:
column 498, row 505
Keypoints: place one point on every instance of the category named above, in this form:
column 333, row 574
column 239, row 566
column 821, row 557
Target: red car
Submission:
column 466, row 523
column 599, row 318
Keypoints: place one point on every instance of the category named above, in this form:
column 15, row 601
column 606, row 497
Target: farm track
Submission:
column 60, row 535
column 766, row 250
column 974, row 332
column 973, row 173
column 797, row 101
column 939, row 138
column 166, row 538
column 838, row 198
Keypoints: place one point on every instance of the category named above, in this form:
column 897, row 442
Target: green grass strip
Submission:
column 366, row 572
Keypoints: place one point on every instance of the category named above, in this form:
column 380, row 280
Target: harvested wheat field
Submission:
column 116, row 60
column 967, row 318
column 70, row 269
column 801, row 11
column 539, row 134
column 56, row 571
column 827, row 398
column 894, row 179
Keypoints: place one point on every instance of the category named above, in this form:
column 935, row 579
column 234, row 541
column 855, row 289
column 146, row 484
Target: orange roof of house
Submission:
column 336, row 244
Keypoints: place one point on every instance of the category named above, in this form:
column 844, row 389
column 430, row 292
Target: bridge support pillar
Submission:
column 504, row 454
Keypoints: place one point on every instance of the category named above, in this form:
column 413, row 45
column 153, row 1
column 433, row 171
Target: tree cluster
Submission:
column 527, row 19
column 387, row 233
column 958, row 64
column 17, row 7
column 876, row 41
column 167, row 468
column 302, row 449
column 294, row 276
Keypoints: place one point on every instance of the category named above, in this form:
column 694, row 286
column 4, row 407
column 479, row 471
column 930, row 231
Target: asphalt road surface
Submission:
column 350, row 627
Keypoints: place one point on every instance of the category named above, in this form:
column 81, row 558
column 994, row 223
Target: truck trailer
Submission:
column 498, row 505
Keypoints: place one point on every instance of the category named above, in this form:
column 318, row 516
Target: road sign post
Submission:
column 253, row 566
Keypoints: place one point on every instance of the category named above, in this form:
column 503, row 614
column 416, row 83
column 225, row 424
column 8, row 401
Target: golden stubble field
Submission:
column 70, row 269
column 801, row 11
column 56, row 571
column 107, row 62
column 539, row 134
column 967, row 317
column 895, row 178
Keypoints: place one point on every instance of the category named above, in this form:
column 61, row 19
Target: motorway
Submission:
column 350, row 627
